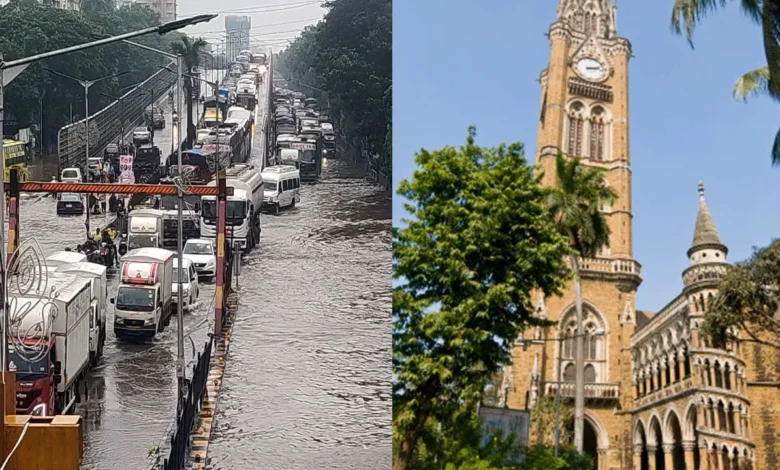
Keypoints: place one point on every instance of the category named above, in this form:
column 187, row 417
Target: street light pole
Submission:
column 86, row 84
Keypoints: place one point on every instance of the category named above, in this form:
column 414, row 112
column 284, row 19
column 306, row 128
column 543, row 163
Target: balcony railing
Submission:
column 593, row 391
column 608, row 265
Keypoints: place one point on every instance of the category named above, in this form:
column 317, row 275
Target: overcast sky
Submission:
column 274, row 22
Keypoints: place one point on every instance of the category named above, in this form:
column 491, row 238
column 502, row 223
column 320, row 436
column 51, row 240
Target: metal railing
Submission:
column 105, row 125
column 195, row 388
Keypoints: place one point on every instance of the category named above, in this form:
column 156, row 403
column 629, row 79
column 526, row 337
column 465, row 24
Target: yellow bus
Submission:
column 15, row 157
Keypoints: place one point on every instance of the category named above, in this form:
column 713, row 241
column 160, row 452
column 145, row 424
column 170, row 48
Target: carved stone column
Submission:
column 637, row 457
column 716, row 415
column 712, row 462
column 709, row 415
column 668, row 456
column 737, row 422
column 688, row 448
column 700, row 415
column 651, row 450
column 733, row 380
column 602, row 459
column 663, row 367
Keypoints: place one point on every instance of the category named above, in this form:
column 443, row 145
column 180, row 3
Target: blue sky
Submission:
column 455, row 64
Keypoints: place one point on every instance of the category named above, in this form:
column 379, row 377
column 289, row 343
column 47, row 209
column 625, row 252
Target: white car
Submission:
column 71, row 175
column 203, row 256
column 189, row 283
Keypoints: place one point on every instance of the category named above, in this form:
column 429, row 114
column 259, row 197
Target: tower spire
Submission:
column 705, row 235
column 592, row 17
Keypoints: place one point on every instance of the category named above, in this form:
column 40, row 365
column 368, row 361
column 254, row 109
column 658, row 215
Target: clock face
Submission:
column 591, row 69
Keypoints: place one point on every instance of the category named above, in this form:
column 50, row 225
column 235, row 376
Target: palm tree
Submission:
column 190, row 50
column 574, row 206
column 687, row 14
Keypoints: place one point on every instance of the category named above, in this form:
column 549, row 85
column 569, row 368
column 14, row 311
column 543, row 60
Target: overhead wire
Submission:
column 267, row 9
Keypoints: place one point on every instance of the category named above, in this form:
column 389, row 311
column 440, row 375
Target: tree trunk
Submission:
column 409, row 442
column 579, row 396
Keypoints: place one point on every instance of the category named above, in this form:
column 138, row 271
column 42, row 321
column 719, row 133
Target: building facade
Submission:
column 237, row 29
column 165, row 9
column 657, row 395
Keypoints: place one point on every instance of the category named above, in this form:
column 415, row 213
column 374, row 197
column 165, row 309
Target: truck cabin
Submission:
column 237, row 208
column 308, row 149
column 170, row 202
column 136, row 298
column 216, row 102
column 291, row 157
column 195, row 164
column 310, row 102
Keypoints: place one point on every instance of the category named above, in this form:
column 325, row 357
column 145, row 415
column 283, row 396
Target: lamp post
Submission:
column 181, row 369
column 559, row 376
column 15, row 67
column 86, row 84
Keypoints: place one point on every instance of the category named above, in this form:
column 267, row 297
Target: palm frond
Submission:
column 776, row 150
column 687, row 14
column 751, row 84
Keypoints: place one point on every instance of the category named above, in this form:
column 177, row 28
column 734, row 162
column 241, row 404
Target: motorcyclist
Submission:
column 106, row 238
column 90, row 245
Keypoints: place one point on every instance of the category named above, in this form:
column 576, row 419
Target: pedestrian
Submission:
column 111, row 174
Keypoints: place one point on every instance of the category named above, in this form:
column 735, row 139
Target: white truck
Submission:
column 145, row 229
column 242, row 223
column 64, row 258
column 143, row 303
column 49, row 346
column 290, row 157
column 96, row 274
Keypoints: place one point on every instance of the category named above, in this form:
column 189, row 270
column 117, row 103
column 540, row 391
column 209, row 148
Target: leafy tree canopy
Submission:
column 748, row 300
column 29, row 27
column 348, row 55
column 478, row 243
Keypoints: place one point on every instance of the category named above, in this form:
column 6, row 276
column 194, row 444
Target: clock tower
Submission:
column 584, row 114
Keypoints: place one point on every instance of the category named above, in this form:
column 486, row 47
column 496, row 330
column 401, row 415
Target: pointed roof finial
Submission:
column 705, row 234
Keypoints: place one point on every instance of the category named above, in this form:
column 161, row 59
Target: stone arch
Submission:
column 639, row 431
column 671, row 410
column 598, row 426
column 690, row 419
column 653, row 430
column 673, row 437
column 595, row 347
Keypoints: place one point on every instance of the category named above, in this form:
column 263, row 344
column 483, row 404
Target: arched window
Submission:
column 590, row 374
column 598, row 134
column 718, row 375
column 727, row 377
column 569, row 373
column 576, row 128
column 588, row 22
column 722, row 416
column 593, row 341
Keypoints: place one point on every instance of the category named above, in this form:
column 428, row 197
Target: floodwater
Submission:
column 307, row 383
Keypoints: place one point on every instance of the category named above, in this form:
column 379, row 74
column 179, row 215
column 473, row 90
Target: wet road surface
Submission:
column 307, row 383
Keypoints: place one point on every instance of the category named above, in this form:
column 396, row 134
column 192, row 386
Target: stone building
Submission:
column 658, row 396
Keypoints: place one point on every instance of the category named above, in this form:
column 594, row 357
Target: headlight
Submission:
column 149, row 321
column 211, row 263
column 119, row 321
column 39, row 410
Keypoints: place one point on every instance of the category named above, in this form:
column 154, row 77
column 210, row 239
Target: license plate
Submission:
column 68, row 205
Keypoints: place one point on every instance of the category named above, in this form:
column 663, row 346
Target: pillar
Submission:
column 637, row 456
column 13, row 215
column 220, row 290
column 722, row 462
column 712, row 462
column 688, row 448
column 733, row 380
column 651, row 450
column 700, row 414
column 663, row 368
column 668, row 456
column 716, row 417
column 602, row 459
column 737, row 422
column 746, row 427
column 741, row 463
column 709, row 415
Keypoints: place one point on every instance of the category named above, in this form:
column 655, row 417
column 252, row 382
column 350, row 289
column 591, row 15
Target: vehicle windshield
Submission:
column 70, row 197
column 139, row 130
column 236, row 210
column 141, row 241
column 184, row 278
column 198, row 249
column 28, row 364
column 308, row 156
column 269, row 185
column 70, row 174
column 209, row 209
column 135, row 299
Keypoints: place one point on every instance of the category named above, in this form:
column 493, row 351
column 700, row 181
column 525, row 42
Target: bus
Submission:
column 15, row 156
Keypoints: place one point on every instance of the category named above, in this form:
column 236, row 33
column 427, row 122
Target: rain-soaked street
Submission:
column 307, row 383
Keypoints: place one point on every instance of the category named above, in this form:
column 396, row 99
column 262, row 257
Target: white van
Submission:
column 71, row 175
column 282, row 185
column 189, row 283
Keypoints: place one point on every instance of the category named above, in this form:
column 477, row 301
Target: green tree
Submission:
column 543, row 422
column 747, row 300
column 478, row 241
column 687, row 14
column 190, row 50
column 348, row 56
column 574, row 206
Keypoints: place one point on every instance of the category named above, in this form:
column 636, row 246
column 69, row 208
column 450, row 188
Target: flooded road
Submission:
column 307, row 383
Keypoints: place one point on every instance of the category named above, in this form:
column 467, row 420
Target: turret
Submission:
column 592, row 17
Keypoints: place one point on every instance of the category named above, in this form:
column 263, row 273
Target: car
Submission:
column 70, row 204
column 71, row 175
column 158, row 121
column 142, row 134
column 189, row 283
column 202, row 254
